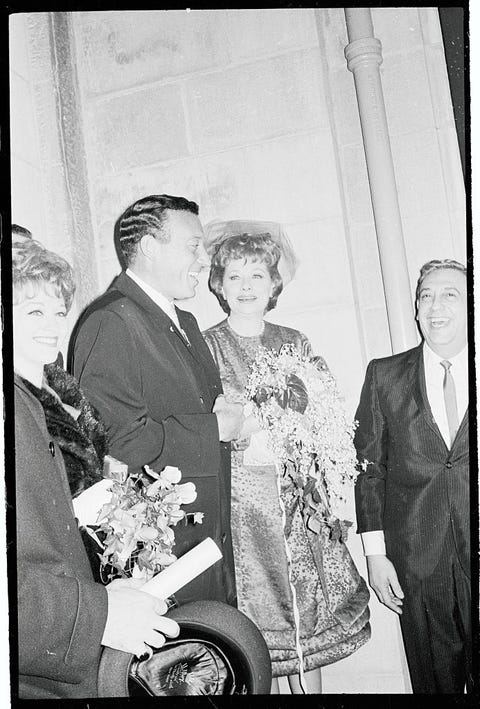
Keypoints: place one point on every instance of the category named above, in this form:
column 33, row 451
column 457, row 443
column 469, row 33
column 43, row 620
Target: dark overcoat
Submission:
column 414, row 487
column 61, row 610
column 155, row 393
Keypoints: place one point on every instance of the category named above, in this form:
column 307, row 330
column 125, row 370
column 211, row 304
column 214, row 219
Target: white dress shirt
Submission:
column 374, row 541
column 158, row 298
column 434, row 375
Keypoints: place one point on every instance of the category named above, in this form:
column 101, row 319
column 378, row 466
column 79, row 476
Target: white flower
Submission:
column 127, row 550
column 171, row 474
column 146, row 534
column 165, row 559
column 176, row 515
column 138, row 522
column 187, row 493
column 137, row 573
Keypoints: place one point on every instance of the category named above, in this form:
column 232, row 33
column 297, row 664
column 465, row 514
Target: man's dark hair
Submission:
column 146, row 216
column 437, row 265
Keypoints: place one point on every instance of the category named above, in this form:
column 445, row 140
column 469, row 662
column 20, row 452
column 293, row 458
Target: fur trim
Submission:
column 89, row 419
column 83, row 442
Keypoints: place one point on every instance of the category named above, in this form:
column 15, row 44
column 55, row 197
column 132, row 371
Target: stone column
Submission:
column 364, row 56
column 71, row 139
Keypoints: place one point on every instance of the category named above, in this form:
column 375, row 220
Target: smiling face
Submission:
column 179, row 260
column 442, row 311
column 38, row 328
column 247, row 287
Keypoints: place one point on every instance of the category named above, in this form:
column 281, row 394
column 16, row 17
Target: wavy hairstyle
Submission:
column 437, row 265
column 146, row 216
column 256, row 247
column 34, row 267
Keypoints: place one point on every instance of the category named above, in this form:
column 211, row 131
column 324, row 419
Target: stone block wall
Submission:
column 49, row 191
column 28, row 198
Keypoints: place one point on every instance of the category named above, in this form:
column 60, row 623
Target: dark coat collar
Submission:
column 127, row 287
column 83, row 442
column 420, row 392
column 415, row 353
column 20, row 383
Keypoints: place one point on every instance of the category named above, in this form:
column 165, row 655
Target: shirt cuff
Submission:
column 373, row 542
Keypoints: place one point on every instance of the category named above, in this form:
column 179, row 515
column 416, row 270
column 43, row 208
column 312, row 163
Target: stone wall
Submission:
column 49, row 179
column 251, row 113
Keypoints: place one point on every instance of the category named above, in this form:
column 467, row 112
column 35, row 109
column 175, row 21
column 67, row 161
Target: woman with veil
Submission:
column 308, row 600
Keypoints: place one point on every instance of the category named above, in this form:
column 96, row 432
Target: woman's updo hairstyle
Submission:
column 255, row 247
column 34, row 267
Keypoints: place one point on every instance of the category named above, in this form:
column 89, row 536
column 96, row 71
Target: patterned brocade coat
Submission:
column 325, row 594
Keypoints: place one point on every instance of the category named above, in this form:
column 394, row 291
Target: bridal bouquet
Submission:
column 137, row 523
column 299, row 405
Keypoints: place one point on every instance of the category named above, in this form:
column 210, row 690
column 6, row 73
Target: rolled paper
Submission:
column 184, row 570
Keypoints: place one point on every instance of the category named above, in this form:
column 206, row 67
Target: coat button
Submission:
column 68, row 527
column 448, row 465
column 201, row 399
column 51, row 448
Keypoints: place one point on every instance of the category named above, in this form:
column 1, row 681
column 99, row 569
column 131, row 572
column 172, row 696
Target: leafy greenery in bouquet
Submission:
column 298, row 403
column 137, row 524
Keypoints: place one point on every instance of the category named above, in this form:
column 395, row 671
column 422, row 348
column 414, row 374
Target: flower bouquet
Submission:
column 136, row 525
column 299, row 405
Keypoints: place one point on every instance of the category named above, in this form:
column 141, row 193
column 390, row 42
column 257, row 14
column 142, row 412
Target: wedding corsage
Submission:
column 299, row 405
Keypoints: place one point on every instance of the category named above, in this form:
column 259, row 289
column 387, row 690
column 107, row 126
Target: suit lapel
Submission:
column 159, row 322
column 420, row 390
column 204, row 362
column 131, row 290
column 197, row 350
column 462, row 427
column 422, row 398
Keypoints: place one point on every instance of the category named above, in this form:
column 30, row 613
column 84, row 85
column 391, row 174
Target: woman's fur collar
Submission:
column 83, row 442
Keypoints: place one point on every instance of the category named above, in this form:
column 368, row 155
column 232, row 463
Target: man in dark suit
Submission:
column 412, row 493
column 145, row 366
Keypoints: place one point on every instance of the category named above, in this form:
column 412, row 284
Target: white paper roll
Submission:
column 182, row 571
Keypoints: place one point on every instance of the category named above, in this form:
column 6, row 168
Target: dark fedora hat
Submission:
column 219, row 651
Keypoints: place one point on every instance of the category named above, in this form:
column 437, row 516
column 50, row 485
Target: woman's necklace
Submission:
column 250, row 334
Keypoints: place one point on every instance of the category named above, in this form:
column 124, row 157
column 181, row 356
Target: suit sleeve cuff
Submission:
column 373, row 542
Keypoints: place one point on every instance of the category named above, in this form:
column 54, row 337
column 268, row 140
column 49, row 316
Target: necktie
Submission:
column 173, row 316
column 184, row 335
column 450, row 397
column 182, row 332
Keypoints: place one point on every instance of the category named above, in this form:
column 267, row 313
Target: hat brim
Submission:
column 237, row 635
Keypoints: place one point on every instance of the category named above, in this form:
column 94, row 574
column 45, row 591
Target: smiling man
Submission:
column 412, row 493
column 144, row 364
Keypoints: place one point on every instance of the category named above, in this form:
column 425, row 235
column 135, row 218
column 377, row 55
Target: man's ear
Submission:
column 147, row 245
